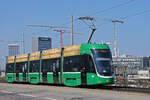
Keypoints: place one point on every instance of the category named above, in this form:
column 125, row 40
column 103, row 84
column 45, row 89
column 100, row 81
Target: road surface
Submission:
column 9, row 91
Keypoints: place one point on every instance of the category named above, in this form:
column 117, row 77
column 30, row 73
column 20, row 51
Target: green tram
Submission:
column 82, row 64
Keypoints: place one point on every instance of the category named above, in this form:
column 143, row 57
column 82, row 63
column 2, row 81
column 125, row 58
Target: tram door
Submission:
column 17, row 76
column 83, row 69
column 44, row 76
column 45, row 68
column 56, row 71
column 24, row 71
column 17, row 71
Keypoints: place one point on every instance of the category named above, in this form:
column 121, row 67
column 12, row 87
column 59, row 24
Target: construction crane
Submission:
column 61, row 37
column 92, row 19
column 9, row 41
column 55, row 28
column 48, row 26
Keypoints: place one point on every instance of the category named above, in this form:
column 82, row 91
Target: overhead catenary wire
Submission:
column 104, row 10
column 110, row 8
column 113, row 7
column 128, row 16
column 136, row 14
column 113, row 21
column 124, row 18
column 107, row 9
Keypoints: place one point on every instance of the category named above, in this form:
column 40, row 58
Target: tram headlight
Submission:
column 92, row 76
column 107, row 80
column 104, row 71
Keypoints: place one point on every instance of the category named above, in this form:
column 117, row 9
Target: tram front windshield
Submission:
column 103, row 59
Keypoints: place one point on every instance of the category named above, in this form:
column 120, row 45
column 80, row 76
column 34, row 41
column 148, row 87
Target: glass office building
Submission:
column 41, row 43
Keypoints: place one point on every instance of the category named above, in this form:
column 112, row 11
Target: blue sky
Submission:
column 132, row 36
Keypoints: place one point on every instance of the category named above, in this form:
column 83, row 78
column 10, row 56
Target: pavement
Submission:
column 11, row 91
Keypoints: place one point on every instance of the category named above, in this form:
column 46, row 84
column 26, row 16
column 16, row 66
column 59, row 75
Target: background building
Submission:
column 144, row 74
column 132, row 63
column 13, row 49
column 2, row 63
column 41, row 43
column 132, row 71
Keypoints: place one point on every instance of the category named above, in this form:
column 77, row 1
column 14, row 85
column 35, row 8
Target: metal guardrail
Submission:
column 3, row 80
column 139, row 83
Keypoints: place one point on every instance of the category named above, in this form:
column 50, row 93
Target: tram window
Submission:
column 54, row 66
column 34, row 66
column 9, row 68
column 90, row 64
column 87, row 62
column 72, row 64
column 57, row 64
column 50, row 65
column 67, row 67
column 18, row 68
column 21, row 67
column 47, row 65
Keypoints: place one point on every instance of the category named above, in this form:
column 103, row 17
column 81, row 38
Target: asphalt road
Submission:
column 10, row 91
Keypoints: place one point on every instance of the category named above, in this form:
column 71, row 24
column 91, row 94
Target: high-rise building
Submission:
column 13, row 49
column 41, row 43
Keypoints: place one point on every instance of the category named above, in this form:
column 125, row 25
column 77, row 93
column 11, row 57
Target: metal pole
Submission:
column 40, row 66
column 23, row 48
column 72, row 39
column 115, row 42
column 62, row 63
column 61, row 41
column 28, row 67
